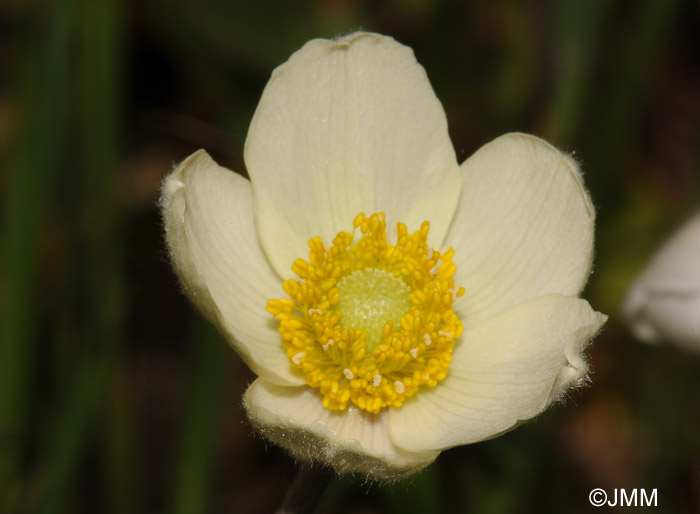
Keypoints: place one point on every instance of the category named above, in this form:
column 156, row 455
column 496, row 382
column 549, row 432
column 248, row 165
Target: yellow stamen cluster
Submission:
column 400, row 333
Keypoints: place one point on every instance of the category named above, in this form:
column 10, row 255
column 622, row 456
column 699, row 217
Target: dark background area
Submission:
column 116, row 397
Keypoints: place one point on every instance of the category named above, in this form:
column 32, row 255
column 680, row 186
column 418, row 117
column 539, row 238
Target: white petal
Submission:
column 664, row 303
column 665, row 317
column 348, row 441
column 523, row 227
column 504, row 370
column 208, row 215
column 343, row 127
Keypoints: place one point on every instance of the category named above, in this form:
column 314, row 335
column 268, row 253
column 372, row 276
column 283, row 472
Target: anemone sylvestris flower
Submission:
column 663, row 304
column 392, row 302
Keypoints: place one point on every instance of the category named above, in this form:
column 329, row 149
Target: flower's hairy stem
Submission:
column 306, row 490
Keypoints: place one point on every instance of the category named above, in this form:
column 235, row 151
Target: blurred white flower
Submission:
column 385, row 350
column 663, row 305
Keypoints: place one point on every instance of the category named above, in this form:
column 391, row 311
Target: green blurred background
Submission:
column 116, row 397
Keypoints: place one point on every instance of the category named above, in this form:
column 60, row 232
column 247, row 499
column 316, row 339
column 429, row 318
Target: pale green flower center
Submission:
column 368, row 299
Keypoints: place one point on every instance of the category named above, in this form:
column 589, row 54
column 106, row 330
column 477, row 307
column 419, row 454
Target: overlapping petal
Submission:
column 349, row 441
column 504, row 370
column 523, row 226
column 208, row 215
column 348, row 126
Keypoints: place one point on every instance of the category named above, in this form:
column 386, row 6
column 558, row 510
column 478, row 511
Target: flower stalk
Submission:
column 306, row 490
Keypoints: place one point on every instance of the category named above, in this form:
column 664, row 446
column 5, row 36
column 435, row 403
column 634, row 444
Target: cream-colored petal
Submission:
column 506, row 369
column 664, row 303
column 347, row 126
column 208, row 216
column 523, row 226
column 348, row 441
column 664, row 317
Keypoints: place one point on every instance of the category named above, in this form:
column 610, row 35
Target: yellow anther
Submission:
column 358, row 220
column 369, row 322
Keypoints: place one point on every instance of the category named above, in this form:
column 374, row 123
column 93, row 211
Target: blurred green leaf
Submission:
column 629, row 71
column 575, row 46
column 203, row 414
column 33, row 170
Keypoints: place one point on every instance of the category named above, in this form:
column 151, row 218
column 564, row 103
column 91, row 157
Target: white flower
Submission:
column 664, row 302
column 352, row 126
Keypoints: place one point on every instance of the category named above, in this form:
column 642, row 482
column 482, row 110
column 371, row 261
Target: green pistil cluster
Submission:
column 368, row 299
